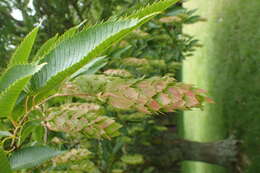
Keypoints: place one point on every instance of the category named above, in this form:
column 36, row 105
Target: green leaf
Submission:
column 68, row 34
column 22, row 53
column 5, row 133
column 54, row 41
column 92, row 67
column 38, row 134
column 4, row 163
column 15, row 73
column 156, row 7
column 33, row 127
column 32, row 156
column 46, row 48
column 134, row 159
column 27, row 131
column 12, row 82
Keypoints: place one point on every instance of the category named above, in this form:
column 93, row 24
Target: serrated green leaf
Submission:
column 32, row 156
column 22, row 53
column 12, row 82
column 156, row 7
column 46, row 48
column 92, row 67
column 68, row 34
column 54, row 41
column 15, row 73
column 4, row 163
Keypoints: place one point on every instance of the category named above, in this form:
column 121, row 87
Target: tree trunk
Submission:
column 228, row 66
column 222, row 153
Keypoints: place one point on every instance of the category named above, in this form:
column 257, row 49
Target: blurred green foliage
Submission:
column 56, row 17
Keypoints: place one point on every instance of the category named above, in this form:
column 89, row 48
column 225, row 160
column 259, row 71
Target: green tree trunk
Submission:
column 228, row 66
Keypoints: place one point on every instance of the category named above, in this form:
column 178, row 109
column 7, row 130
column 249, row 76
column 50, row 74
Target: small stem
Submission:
column 9, row 151
column 21, row 123
column 14, row 123
column 45, row 134
column 5, row 139
column 26, row 112
column 14, row 134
